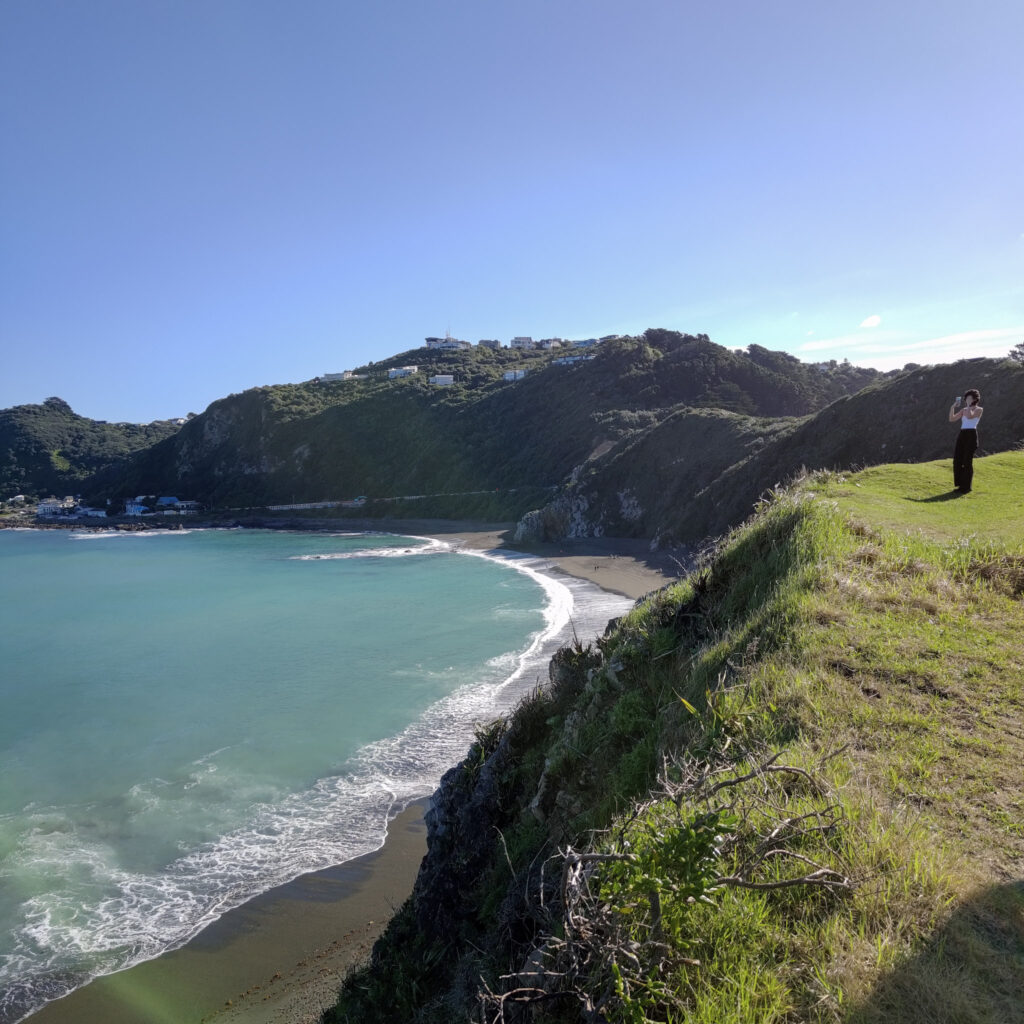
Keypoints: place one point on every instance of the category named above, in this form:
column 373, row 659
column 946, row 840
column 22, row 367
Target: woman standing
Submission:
column 967, row 443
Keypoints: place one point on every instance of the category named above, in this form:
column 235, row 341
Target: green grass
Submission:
column 855, row 615
column 863, row 636
column 921, row 499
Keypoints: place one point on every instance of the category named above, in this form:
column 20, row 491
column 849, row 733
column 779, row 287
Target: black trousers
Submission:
column 963, row 459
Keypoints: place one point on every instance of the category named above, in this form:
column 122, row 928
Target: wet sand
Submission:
column 623, row 566
column 278, row 959
column 281, row 957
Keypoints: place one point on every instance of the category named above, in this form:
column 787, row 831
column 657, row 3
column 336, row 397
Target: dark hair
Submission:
column 973, row 393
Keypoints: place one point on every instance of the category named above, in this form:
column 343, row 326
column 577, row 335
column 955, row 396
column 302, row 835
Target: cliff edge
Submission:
column 784, row 788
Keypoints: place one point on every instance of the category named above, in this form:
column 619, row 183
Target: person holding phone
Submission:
column 967, row 442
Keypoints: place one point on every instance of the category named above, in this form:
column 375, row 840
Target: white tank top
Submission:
column 968, row 424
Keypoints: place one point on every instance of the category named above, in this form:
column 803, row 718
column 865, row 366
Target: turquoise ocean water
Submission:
column 192, row 717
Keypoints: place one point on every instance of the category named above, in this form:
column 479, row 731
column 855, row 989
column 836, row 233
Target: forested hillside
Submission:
column 695, row 473
column 392, row 438
column 49, row 449
column 666, row 435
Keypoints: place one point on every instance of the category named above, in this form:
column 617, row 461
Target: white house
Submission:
column 521, row 342
column 443, row 379
column 446, row 343
column 513, row 375
column 489, row 343
column 402, row 371
column 586, row 343
column 136, row 506
column 549, row 343
column 51, row 507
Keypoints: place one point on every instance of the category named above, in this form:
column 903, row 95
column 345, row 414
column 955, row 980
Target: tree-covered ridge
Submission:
column 696, row 472
column 50, row 449
column 394, row 437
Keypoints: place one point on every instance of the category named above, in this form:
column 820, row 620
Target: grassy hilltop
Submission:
column 786, row 788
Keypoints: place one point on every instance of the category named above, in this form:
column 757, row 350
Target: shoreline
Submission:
column 280, row 957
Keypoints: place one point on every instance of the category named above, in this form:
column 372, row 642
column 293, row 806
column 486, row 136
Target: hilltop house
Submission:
column 402, row 371
column 489, row 343
column 442, row 379
column 446, row 343
column 513, row 375
column 524, row 342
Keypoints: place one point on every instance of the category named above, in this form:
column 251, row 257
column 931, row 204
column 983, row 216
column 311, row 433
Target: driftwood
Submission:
column 589, row 955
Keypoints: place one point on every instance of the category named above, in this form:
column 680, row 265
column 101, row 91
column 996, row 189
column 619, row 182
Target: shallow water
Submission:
column 192, row 717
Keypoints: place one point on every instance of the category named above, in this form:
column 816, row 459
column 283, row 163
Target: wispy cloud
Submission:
column 872, row 321
column 891, row 349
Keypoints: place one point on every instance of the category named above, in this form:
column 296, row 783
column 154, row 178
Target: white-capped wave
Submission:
column 431, row 547
column 107, row 534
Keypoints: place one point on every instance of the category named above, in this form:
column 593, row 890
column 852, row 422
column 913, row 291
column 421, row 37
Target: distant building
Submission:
column 489, row 343
column 513, row 375
column 402, row 371
column 549, row 343
column 586, row 343
column 50, row 508
column 331, row 378
column 521, row 342
column 443, row 379
column 569, row 360
column 447, row 342
column 610, row 337
column 91, row 513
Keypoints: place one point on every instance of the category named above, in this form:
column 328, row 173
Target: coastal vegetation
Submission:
column 50, row 449
column 785, row 788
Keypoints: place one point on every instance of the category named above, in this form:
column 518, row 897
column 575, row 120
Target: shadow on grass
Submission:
column 945, row 496
column 970, row 971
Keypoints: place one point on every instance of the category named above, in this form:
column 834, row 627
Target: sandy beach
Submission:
column 280, row 958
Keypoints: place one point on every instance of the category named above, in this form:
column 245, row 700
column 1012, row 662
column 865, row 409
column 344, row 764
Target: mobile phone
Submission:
column 958, row 400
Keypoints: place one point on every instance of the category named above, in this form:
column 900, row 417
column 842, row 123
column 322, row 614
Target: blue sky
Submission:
column 200, row 196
